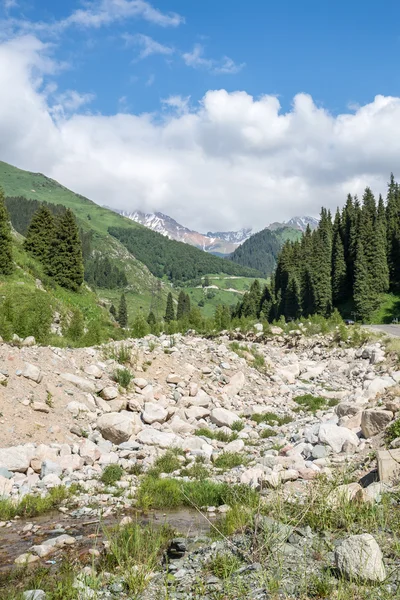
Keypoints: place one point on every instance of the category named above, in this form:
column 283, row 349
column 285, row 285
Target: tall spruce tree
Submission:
column 6, row 258
column 64, row 261
column 169, row 311
column 40, row 234
column 321, row 265
column 365, row 296
column 380, row 268
column 393, row 232
column 292, row 299
column 307, row 293
column 181, row 309
column 123, row 311
column 339, row 273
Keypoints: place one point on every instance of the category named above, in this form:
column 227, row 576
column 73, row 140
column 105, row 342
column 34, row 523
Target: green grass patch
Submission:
column 271, row 419
column 33, row 506
column 220, row 436
column 267, row 433
column 172, row 493
column 224, row 565
column 123, row 377
column 314, row 403
column 167, row 463
column 111, row 474
column 393, row 431
column 230, row 460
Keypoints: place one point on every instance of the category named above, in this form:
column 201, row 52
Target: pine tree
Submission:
column 6, row 260
column 379, row 267
column 393, row 232
column 151, row 319
column 113, row 311
column 180, row 311
column 187, row 305
column 123, row 312
column 365, row 296
column 40, row 234
column 169, row 311
column 266, row 305
column 64, row 262
column 339, row 274
column 292, row 299
column 307, row 293
column 321, row 265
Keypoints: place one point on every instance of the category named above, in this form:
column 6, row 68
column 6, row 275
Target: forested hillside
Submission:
column 261, row 250
column 175, row 260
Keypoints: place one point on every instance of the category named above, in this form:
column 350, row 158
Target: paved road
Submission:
column 393, row 330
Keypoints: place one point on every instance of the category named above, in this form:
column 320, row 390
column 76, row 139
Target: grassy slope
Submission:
column 16, row 182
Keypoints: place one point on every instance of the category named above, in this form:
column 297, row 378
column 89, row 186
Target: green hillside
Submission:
column 261, row 250
column 143, row 289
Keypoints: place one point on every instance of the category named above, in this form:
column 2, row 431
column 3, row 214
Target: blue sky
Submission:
column 339, row 52
column 221, row 113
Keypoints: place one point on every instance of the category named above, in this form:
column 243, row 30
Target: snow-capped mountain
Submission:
column 220, row 243
column 299, row 223
column 233, row 237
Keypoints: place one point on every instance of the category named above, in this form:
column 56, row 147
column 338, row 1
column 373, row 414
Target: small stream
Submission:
column 88, row 531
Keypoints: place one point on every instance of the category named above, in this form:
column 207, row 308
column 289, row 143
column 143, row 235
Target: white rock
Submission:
column 140, row 382
column 109, row 393
column 6, row 486
column 343, row 494
column 89, row 451
column 50, row 467
column 235, row 384
column 94, row 371
column 336, row 436
column 32, row 372
column 26, row 559
column 180, row 426
column 252, row 477
column 153, row 437
column 17, row 458
column 173, row 378
column 75, row 408
column 115, row 427
column 40, row 407
column 196, row 412
column 235, row 446
column 359, row 557
column 85, row 385
column 154, row 413
column 34, row 595
column 29, row 341
column 223, row 417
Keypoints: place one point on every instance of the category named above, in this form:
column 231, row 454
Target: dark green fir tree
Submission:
column 40, row 234
column 169, row 311
column 6, row 259
column 123, row 312
column 64, row 262
column 365, row 296
column 339, row 273
column 292, row 299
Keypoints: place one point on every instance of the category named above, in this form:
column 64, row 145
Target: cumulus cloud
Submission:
column 197, row 60
column 231, row 161
column 147, row 44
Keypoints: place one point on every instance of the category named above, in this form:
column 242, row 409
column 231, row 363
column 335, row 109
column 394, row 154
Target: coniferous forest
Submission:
column 351, row 259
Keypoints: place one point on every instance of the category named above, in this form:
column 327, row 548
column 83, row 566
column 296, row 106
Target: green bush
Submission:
column 111, row 474
column 167, row 463
column 123, row 377
column 393, row 431
column 229, row 460
column 271, row 419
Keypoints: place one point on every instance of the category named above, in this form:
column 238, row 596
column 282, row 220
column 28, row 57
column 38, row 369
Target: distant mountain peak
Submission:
column 299, row 223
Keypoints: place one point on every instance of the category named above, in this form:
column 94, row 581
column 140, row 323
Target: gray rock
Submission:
column 115, row 427
column 50, row 467
column 336, row 436
column 154, row 413
column 109, row 393
column 374, row 421
column 34, row 595
column 223, row 417
column 85, row 385
column 319, row 451
column 359, row 557
column 17, row 458
column 29, row 341
column 5, row 473
column 153, row 437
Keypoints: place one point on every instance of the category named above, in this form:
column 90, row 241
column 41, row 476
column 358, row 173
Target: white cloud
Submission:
column 178, row 103
column 148, row 45
column 98, row 13
column 196, row 59
column 8, row 4
column 232, row 161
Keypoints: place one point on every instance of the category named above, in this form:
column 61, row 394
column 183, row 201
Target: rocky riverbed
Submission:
column 275, row 445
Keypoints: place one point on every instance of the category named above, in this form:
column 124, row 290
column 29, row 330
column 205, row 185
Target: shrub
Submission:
column 224, row 565
column 237, row 425
column 393, row 431
column 111, row 474
column 221, row 436
column 270, row 419
column 167, row 463
column 310, row 402
column 123, row 377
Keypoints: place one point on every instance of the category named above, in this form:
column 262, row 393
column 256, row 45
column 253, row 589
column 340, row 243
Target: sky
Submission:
column 222, row 115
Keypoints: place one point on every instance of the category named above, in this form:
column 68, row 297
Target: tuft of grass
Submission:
column 221, row 436
column 123, row 377
column 224, row 565
column 32, row 506
column 230, row 460
column 314, row 403
column 111, row 474
column 167, row 463
column 393, row 431
column 135, row 551
column 267, row 433
column 172, row 493
column 196, row 470
column 237, row 425
column 271, row 419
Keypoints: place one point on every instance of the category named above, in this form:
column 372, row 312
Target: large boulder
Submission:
column 17, row 458
column 359, row 557
column 154, row 413
column 153, row 437
column 85, row 385
column 223, row 417
column 343, row 494
column 196, row 413
column 336, row 436
column 374, row 421
column 115, row 427
column 89, row 451
column 109, row 393
column 388, row 465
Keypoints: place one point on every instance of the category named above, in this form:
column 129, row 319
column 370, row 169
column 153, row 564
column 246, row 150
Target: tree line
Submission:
column 347, row 261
